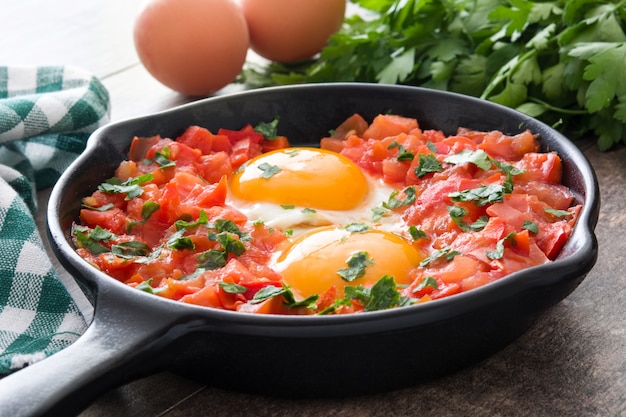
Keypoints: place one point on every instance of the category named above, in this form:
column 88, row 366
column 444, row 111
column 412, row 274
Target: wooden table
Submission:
column 572, row 362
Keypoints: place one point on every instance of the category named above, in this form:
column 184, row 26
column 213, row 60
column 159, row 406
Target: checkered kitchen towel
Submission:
column 46, row 116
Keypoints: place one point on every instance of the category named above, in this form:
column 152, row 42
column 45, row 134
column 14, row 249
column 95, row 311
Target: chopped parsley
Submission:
column 289, row 299
column 382, row 295
column 457, row 213
column 131, row 187
column 530, row 226
column 498, row 253
column 269, row 130
column 416, row 233
column 428, row 281
column 428, row 163
column 558, row 213
column 357, row 227
column 446, row 253
column 399, row 199
column 478, row 158
column 403, row 154
column 232, row 288
column 161, row 158
column 482, row 195
column 357, row 264
column 268, row 170
column 130, row 249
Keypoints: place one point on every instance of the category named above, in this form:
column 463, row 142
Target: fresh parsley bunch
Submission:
column 562, row 61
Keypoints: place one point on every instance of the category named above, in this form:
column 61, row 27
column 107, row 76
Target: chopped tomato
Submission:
column 176, row 233
column 385, row 125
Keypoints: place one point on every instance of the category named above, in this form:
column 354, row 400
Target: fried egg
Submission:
column 312, row 195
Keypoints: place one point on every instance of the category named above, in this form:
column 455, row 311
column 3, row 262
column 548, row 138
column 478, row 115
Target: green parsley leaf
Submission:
column 90, row 240
column 482, row 195
column 558, row 213
column 446, row 253
column 268, row 170
column 382, row 295
column 478, row 158
column 457, row 213
column 416, row 233
column 269, row 130
column 408, row 198
column 271, row 291
column 357, row 227
column 161, row 158
column 530, row 226
column 183, row 224
column 498, row 253
column 231, row 244
column 426, row 282
column 378, row 213
column 403, row 154
column 146, row 286
column 357, row 264
column 211, row 259
column 131, row 187
column 428, row 163
column 103, row 208
column 232, row 288
column 130, row 249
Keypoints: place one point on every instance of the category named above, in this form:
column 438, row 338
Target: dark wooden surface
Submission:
column 572, row 362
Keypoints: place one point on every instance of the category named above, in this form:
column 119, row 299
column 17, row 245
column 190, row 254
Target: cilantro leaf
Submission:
column 268, row 170
column 382, row 295
column 478, row 158
column 482, row 195
column 357, row 264
column 428, row 163
column 232, row 288
column 131, row 187
column 446, row 253
column 407, row 198
column 269, row 130
column 426, row 282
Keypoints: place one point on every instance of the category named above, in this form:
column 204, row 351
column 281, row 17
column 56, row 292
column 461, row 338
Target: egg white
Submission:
column 297, row 220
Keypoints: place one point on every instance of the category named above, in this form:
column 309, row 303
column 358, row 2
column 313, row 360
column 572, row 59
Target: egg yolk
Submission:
column 304, row 177
column 317, row 260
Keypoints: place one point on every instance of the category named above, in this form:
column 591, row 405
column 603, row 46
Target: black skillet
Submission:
column 134, row 334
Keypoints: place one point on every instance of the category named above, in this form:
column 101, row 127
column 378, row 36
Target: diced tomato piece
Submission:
column 512, row 148
column 385, row 125
column 207, row 297
column 279, row 142
column 556, row 196
column 215, row 166
column 395, row 171
column 446, row 291
column 197, row 137
column 332, row 144
column 545, row 167
column 552, row 237
column 244, row 150
column 113, row 219
column 247, row 132
column 353, row 125
column 202, row 139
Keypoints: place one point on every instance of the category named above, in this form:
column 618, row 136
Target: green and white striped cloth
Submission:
column 46, row 115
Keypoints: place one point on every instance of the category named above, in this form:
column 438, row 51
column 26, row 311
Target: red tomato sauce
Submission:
column 483, row 205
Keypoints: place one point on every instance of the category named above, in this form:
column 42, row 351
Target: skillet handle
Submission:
column 118, row 346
